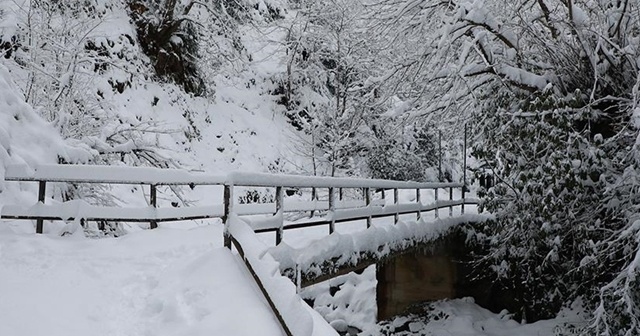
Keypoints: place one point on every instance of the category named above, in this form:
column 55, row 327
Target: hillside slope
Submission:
column 90, row 94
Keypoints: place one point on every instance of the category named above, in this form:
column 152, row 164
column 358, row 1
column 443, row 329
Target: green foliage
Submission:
column 554, row 204
column 251, row 196
column 394, row 162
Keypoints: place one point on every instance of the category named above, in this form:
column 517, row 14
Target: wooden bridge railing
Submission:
column 337, row 210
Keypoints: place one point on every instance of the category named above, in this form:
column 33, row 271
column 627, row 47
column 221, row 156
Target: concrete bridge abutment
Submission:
column 440, row 269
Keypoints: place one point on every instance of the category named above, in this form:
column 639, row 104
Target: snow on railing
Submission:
column 295, row 317
column 335, row 210
column 335, row 255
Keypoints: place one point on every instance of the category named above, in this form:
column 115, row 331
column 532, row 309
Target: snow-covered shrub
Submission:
column 404, row 158
column 26, row 139
column 72, row 83
column 394, row 161
column 618, row 310
column 550, row 205
column 552, row 86
column 250, row 196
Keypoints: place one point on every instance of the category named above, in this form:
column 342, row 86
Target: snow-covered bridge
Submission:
column 400, row 209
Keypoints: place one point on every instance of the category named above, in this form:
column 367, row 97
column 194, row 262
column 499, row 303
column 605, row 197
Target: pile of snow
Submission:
column 348, row 300
column 462, row 317
column 377, row 242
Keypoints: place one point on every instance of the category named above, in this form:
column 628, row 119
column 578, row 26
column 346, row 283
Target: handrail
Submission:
column 263, row 290
column 302, row 181
column 157, row 177
column 379, row 213
column 110, row 175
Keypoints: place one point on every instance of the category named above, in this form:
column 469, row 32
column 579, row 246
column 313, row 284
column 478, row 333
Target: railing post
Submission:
column 437, row 213
column 396, row 217
column 341, row 193
column 383, row 194
column 419, row 202
column 367, row 201
column 451, row 199
column 153, row 199
column 42, row 188
column 332, row 210
column 314, row 196
column 464, row 186
column 228, row 208
column 279, row 209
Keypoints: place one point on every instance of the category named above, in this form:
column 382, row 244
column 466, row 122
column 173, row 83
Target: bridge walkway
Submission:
column 243, row 221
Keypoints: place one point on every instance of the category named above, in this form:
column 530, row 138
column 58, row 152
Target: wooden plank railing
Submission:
column 336, row 209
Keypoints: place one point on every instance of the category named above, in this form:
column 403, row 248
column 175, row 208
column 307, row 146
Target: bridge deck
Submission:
column 347, row 253
column 334, row 255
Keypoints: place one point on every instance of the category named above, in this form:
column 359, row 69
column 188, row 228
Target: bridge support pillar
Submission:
column 441, row 269
column 413, row 278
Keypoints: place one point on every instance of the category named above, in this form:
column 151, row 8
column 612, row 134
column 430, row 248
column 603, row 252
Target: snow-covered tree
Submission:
column 551, row 87
column 322, row 88
column 553, row 204
column 332, row 95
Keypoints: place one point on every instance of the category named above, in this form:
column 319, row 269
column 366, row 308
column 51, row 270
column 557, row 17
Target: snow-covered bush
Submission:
column 403, row 154
column 552, row 88
column 27, row 139
column 551, row 204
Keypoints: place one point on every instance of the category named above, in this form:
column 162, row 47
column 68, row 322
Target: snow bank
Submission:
column 348, row 299
column 376, row 242
column 464, row 317
column 25, row 138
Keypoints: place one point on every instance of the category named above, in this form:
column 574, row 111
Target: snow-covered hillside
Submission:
column 27, row 139
column 94, row 97
column 107, row 95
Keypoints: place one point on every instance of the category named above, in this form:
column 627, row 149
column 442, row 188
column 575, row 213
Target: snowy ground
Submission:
column 161, row 282
column 462, row 317
column 181, row 281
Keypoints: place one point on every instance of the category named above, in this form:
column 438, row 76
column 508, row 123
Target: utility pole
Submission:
column 464, row 168
column 440, row 155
